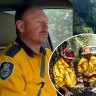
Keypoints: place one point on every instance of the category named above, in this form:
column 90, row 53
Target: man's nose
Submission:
column 45, row 26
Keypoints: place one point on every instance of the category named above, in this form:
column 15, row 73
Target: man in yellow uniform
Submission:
column 24, row 63
column 63, row 70
column 87, row 67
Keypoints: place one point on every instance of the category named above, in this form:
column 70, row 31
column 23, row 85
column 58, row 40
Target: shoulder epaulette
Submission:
column 13, row 50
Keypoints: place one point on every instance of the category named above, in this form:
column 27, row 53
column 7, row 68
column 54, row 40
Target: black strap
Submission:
column 39, row 92
column 42, row 73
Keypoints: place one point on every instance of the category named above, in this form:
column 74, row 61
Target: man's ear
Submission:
column 20, row 25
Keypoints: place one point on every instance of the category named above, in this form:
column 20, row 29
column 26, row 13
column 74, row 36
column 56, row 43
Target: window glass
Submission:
column 60, row 23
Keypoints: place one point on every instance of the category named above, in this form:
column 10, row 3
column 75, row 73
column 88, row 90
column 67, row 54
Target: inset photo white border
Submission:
column 78, row 44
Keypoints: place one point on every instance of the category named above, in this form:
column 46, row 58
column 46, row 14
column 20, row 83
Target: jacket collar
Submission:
column 29, row 51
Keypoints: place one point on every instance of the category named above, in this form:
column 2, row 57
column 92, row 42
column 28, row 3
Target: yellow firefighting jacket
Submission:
column 88, row 67
column 64, row 74
column 20, row 71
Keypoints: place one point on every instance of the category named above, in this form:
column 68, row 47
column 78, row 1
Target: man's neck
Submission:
column 34, row 46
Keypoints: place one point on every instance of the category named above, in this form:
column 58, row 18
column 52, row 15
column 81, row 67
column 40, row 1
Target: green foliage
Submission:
column 87, row 30
column 84, row 17
column 78, row 43
column 75, row 62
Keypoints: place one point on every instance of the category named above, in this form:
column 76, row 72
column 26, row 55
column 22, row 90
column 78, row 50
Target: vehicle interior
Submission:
column 60, row 20
column 57, row 7
column 64, row 7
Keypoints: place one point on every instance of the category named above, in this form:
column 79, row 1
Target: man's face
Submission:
column 35, row 26
column 68, row 61
column 87, row 56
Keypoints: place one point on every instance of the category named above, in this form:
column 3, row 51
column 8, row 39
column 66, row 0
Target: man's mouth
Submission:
column 44, row 33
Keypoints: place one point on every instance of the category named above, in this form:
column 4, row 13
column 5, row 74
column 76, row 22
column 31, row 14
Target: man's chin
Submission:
column 42, row 41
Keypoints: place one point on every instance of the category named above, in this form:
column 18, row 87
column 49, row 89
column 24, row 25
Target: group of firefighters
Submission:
column 64, row 72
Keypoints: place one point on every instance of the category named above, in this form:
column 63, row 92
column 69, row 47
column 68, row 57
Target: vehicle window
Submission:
column 60, row 24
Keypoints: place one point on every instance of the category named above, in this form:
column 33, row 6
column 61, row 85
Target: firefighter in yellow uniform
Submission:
column 63, row 70
column 24, row 63
column 87, row 67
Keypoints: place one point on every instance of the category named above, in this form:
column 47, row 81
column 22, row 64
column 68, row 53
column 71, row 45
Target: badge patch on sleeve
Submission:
column 6, row 69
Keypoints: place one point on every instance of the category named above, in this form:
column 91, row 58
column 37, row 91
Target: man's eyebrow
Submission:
column 39, row 18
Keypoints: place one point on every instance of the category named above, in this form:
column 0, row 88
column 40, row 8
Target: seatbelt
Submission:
column 42, row 73
column 42, row 70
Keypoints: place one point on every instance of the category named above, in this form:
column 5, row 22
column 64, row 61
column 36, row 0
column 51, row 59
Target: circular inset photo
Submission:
column 72, row 66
